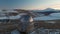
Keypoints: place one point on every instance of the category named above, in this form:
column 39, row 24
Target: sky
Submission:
column 29, row 4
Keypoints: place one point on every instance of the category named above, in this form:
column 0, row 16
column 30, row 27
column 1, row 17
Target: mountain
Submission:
column 47, row 10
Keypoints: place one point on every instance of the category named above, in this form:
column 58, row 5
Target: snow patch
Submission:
column 55, row 15
column 15, row 32
column 45, row 18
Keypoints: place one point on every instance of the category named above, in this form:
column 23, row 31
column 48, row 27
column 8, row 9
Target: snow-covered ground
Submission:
column 57, row 15
column 15, row 32
column 46, row 31
column 53, row 16
column 10, row 17
column 3, row 15
column 39, row 31
column 14, row 17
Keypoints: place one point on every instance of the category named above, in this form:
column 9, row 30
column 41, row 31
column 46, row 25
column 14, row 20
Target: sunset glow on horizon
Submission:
column 29, row 4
